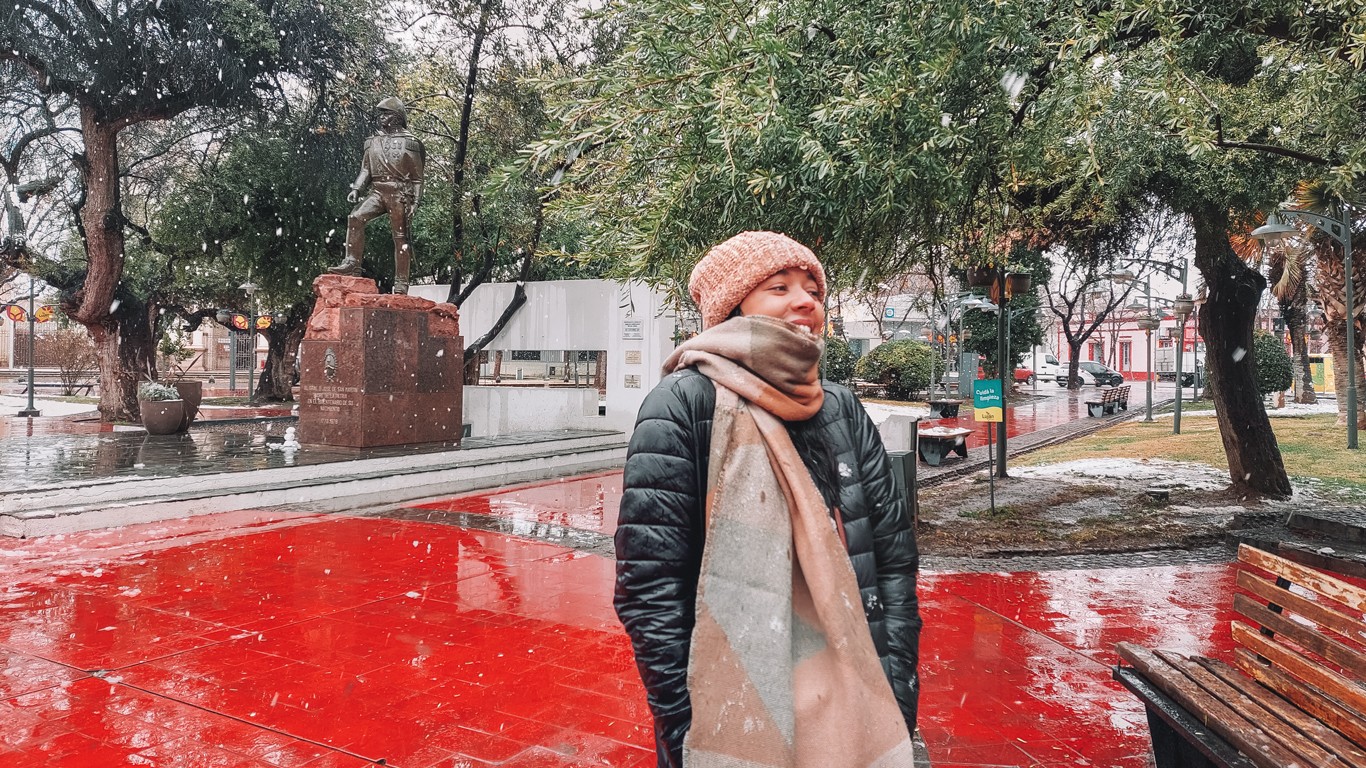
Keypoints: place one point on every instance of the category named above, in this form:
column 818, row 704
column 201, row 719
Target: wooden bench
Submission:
column 56, row 385
column 1296, row 696
column 1107, row 404
column 1122, row 399
column 934, row 443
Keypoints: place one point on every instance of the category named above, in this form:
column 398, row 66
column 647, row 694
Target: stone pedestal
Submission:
column 378, row 369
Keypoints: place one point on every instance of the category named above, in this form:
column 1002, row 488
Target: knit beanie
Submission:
column 730, row 270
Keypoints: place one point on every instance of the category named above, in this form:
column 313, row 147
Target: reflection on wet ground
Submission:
column 266, row 639
column 238, row 445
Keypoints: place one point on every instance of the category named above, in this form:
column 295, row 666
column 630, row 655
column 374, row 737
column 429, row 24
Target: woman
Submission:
column 753, row 648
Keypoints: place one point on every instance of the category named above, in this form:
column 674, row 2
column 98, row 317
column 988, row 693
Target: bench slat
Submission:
column 1348, row 693
column 1302, row 635
column 1249, row 739
column 1331, row 713
column 1248, row 709
column 1325, row 616
column 1322, row 735
column 1350, row 595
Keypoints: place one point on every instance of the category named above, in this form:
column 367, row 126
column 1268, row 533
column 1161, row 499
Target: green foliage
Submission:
column 838, row 360
column 153, row 391
column 1274, row 370
column 902, row 367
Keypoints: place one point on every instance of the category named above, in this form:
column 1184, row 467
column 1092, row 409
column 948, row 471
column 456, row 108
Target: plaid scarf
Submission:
column 782, row 671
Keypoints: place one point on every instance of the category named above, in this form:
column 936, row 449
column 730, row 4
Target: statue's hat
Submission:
column 392, row 104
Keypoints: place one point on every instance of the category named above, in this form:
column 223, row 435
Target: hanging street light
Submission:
column 1275, row 230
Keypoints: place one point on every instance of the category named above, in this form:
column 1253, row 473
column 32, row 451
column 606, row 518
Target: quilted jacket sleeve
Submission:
column 898, row 560
column 659, row 551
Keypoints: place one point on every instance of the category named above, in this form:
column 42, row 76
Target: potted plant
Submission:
column 177, row 357
column 162, row 410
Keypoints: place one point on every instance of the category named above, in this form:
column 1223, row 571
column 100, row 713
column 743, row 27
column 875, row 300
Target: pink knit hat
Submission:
column 729, row 271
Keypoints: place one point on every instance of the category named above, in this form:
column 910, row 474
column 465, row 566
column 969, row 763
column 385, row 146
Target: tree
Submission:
column 266, row 207
column 902, row 368
column 151, row 60
column 1274, row 373
column 838, row 360
column 473, row 94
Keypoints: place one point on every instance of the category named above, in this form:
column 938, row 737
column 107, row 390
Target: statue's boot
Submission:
column 349, row 266
column 402, row 258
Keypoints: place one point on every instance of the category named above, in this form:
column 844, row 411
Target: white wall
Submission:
column 631, row 321
column 494, row 411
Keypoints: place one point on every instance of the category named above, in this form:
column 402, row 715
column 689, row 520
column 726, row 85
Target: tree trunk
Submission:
column 1296, row 324
column 1254, row 458
column 282, row 347
column 92, row 304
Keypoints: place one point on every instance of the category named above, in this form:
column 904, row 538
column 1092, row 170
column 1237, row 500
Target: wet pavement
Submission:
column 471, row 631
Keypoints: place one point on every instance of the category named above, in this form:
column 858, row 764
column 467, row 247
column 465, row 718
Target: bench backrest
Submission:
column 1110, row 395
column 1309, row 639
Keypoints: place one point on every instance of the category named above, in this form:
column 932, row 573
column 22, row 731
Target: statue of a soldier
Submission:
column 392, row 166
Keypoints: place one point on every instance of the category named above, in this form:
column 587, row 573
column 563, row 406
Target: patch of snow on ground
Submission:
column 1156, row 472
column 879, row 412
column 1291, row 410
column 11, row 404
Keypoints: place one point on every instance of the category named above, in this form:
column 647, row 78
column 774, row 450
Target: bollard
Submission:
column 904, row 466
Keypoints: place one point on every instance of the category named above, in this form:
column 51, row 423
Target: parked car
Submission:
column 1024, row 376
column 1092, row 372
column 1046, row 366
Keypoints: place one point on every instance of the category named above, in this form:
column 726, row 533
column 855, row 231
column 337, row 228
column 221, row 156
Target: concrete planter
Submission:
column 162, row 417
column 192, row 394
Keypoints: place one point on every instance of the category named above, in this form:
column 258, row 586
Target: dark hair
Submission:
column 820, row 461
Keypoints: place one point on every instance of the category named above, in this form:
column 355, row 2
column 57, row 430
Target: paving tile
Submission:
column 21, row 673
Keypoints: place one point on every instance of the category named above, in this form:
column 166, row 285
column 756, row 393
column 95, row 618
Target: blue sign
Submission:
column 889, row 312
column 987, row 401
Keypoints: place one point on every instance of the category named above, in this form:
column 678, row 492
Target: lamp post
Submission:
column 30, row 411
column 1341, row 231
column 1148, row 323
column 236, row 323
column 1182, row 308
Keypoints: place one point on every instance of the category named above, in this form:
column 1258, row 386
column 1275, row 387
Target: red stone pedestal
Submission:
column 378, row 369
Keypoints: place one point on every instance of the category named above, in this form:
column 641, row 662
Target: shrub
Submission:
column 1274, row 370
column 901, row 367
column 838, row 361
column 74, row 355
column 151, row 390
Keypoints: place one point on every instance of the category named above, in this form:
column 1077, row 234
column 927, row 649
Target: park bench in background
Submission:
column 1296, row 696
column 1108, row 402
column 1123, row 397
column 56, row 385
column 934, row 443
column 944, row 409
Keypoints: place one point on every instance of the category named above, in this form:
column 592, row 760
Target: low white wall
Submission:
column 493, row 411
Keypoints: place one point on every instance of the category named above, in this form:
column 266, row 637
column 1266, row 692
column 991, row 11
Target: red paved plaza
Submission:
column 254, row 639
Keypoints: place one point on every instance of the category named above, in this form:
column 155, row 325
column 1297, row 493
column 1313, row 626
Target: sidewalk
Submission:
column 478, row 630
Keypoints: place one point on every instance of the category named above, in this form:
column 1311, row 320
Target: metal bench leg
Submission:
column 960, row 447
column 1095, row 409
column 1110, row 408
column 1170, row 750
column 931, row 451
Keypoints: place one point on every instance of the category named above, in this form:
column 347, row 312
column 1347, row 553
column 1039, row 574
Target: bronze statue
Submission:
column 393, row 166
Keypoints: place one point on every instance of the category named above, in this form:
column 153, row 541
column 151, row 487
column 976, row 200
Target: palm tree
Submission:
column 1332, row 280
column 1287, row 272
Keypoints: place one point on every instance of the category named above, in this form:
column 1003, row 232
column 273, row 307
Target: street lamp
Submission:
column 1182, row 308
column 16, row 313
column 1340, row 230
column 1148, row 322
column 239, row 322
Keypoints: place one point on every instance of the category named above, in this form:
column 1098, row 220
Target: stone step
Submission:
column 1311, row 549
column 109, row 502
column 1343, row 526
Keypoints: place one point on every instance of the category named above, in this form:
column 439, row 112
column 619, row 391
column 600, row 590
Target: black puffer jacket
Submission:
column 661, row 529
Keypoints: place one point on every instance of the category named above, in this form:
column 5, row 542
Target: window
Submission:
column 527, row 355
column 1126, row 355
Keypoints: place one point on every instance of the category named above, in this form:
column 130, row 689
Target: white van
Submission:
column 1044, row 364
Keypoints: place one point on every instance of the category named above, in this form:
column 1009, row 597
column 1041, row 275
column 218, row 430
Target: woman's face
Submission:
column 789, row 295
